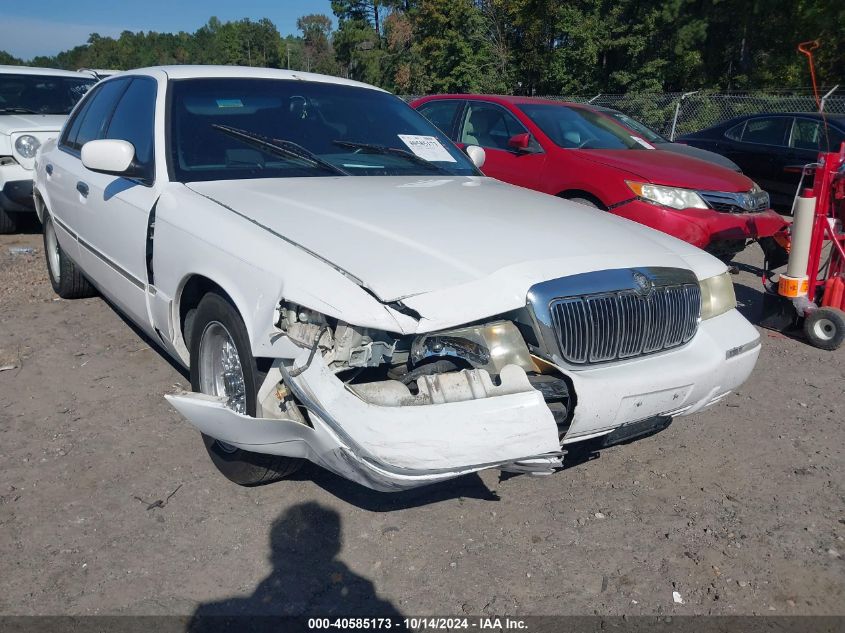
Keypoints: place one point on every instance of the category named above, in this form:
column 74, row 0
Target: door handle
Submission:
column 49, row 169
column 82, row 188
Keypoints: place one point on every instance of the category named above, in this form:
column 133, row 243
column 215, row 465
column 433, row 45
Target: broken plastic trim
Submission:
column 364, row 455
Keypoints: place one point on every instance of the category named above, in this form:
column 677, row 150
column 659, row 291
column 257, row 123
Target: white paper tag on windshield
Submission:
column 642, row 142
column 427, row 147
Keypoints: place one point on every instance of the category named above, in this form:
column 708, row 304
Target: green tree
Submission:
column 9, row 59
column 318, row 54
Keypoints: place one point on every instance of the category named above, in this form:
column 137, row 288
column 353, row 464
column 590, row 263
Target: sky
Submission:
column 46, row 27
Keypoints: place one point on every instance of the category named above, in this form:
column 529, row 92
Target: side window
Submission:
column 489, row 126
column 72, row 128
column 766, row 131
column 97, row 112
column 134, row 119
column 735, row 133
column 806, row 134
column 442, row 113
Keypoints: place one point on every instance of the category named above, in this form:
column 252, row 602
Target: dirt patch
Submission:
column 739, row 509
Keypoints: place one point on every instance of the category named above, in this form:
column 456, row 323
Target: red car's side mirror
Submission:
column 520, row 142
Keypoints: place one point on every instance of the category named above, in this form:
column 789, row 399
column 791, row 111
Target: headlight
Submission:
column 717, row 296
column 490, row 346
column 27, row 145
column 673, row 197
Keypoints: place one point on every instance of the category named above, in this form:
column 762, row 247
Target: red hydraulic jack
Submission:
column 812, row 291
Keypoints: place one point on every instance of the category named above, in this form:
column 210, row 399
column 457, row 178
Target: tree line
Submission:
column 512, row 46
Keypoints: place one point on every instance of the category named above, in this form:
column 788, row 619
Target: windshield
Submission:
column 223, row 129
column 579, row 128
column 41, row 94
column 639, row 128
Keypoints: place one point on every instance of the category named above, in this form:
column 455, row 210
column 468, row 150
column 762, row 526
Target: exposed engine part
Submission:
column 359, row 347
column 295, row 372
column 275, row 400
column 558, row 396
column 344, row 346
column 302, row 325
column 436, row 367
column 468, row 384
column 491, row 346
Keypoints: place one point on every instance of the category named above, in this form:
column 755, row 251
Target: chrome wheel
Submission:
column 52, row 247
column 220, row 370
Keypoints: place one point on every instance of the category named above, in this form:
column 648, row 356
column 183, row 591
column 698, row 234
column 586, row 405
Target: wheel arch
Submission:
column 40, row 203
column 569, row 194
column 192, row 289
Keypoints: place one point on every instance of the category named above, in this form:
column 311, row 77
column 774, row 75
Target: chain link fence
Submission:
column 674, row 114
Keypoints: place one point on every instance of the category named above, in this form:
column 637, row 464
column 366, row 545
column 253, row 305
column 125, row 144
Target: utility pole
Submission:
column 287, row 50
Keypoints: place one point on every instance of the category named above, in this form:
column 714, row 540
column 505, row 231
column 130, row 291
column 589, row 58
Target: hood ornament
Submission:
column 642, row 285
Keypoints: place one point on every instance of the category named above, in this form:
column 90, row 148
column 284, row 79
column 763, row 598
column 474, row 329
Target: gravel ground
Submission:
column 109, row 505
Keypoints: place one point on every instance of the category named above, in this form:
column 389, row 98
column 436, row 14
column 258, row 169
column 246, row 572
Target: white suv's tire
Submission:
column 8, row 222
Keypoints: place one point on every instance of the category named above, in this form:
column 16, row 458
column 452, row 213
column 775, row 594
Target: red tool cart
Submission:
column 812, row 291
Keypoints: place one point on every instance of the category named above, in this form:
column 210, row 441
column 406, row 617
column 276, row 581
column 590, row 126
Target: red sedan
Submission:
column 571, row 151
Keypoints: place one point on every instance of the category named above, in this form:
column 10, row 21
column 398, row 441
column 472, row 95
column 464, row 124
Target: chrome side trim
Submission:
column 109, row 262
column 64, row 227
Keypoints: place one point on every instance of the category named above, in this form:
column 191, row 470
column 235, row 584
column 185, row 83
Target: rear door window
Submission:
column 442, row 114
column 735, row 133
column 768, row 131
column 489, row 125
column 806, row 134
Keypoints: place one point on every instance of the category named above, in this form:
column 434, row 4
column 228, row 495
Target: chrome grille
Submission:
column 726, row 202
column 625, row 324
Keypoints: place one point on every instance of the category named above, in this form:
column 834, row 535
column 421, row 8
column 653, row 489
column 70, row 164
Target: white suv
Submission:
column 34, row 103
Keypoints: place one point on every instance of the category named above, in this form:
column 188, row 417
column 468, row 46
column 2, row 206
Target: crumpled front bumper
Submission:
column 389, row 448
column 702, row 227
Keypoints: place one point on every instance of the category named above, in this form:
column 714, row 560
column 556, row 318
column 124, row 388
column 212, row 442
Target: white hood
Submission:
column 14, row 123
column 408, row 236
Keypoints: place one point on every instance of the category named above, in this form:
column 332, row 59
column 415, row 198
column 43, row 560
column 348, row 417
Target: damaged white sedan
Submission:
column 347, row 288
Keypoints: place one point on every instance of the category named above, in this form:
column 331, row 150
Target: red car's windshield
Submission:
column 632, row 124
column 578, row 128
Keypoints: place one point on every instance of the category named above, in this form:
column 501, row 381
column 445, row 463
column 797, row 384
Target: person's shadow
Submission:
column 307, row 580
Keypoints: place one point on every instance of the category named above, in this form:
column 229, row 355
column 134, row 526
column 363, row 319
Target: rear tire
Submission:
column 65, row 277
column 222, row 365
column 8, row 222
column 825, row 328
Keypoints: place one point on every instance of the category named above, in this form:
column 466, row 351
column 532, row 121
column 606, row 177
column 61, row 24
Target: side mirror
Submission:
column 476, row 155
column 109, row 156
column 520, row 142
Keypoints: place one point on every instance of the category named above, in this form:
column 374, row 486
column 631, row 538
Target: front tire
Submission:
column 66, row 278
column 222, row 365
column 825, row 328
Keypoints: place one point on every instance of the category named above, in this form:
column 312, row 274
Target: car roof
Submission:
column 188, row 71
column 33, row 70
column 506, row 99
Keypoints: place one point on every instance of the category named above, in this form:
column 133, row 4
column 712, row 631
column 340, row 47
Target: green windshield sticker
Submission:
column 230, row 103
